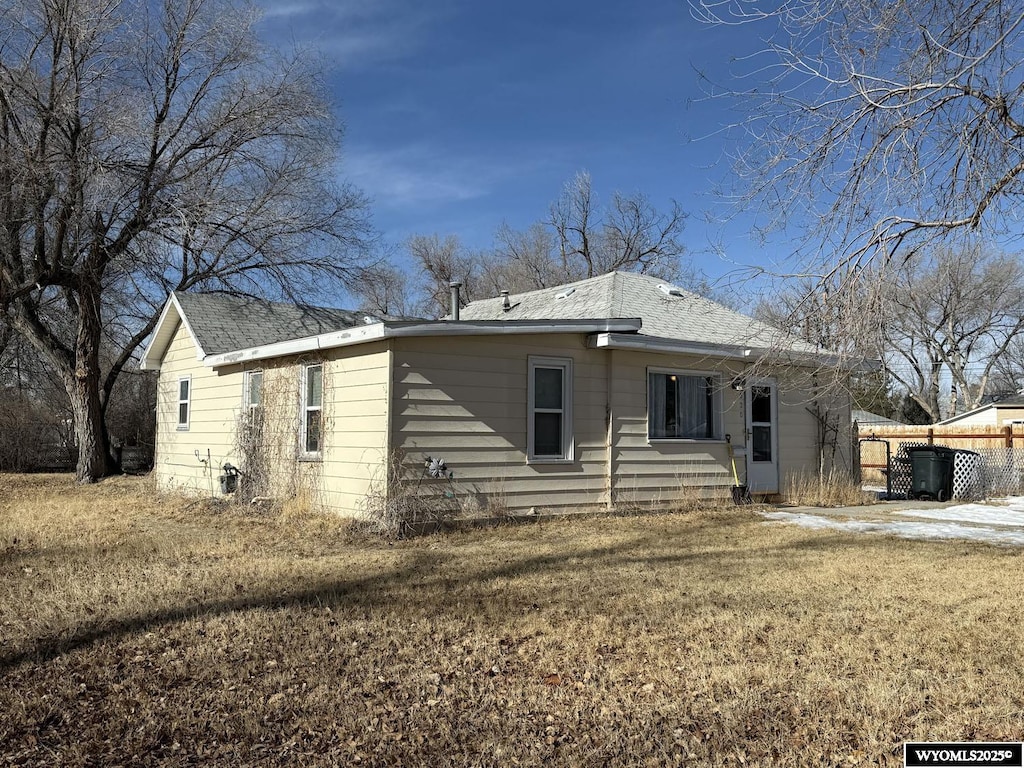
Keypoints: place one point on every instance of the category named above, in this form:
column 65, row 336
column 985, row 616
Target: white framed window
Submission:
column 252, row 394
column 683, row 405
column 312, row 410
column 184, row 401
column 549, row 435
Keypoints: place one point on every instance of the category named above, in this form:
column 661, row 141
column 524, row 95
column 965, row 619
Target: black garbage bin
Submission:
column 931, row 472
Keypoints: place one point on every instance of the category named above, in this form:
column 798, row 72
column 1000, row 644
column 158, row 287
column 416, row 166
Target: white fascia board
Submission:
column 356, row 335
column 162, row 336
column 394, row 329
column 512, row 327
column 670, row 346
column 830, row 360
column 728, row 351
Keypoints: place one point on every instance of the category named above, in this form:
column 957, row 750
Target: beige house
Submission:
column 617, row 390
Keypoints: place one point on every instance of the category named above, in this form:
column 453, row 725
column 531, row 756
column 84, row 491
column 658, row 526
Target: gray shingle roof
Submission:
column 680, row 316
column 867, row 418
column 225, row 323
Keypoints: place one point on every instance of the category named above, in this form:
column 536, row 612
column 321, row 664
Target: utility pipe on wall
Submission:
column 455, row 285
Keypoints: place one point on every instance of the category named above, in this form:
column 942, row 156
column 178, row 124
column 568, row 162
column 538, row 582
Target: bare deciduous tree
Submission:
column 384, row 289
column 940, row 327
column 579, row 239
column 879, row 125
column 631, row 234
column 524, row 260
column 442, row 261
column 146, row 147
column 952, row 313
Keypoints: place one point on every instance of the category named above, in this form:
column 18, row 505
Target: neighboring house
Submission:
column 1009, row 410
column 869, row 419
column 617, row 390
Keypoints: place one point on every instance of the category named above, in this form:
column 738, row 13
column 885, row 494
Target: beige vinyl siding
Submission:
column 661, row 472
column 350, row 464
column 355, row 409
column 465, row 400
column 355, row 427
column 800, row 449
column 215, row 402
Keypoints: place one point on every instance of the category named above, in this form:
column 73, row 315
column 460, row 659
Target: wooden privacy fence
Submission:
column 983, row 439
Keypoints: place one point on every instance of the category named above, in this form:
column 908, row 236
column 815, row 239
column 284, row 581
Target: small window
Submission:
column 682, row 406
column 549, row 429
column 184, row 401
column 253, row 394
column 312, row 409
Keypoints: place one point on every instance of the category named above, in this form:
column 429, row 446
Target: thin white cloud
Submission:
column 352, row 33
column 416, row 175
column 277, row 10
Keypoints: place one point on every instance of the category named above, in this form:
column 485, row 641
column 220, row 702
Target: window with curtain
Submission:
column 682, row 406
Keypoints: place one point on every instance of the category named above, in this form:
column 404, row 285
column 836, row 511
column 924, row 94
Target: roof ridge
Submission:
column 259, row 299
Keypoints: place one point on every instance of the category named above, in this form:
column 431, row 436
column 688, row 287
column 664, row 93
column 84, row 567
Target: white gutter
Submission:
column 394, row 329
column 727, row 351
column 655, row 344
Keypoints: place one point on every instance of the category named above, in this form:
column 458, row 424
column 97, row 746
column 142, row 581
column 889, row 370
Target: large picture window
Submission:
column 312, row 410
column 682, row 406
column 549, row 429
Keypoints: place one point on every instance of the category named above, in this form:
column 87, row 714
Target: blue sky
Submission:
column 463, row 114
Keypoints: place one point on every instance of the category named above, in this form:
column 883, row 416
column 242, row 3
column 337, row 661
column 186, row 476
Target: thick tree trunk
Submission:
column 84, row 390
column 94, row 461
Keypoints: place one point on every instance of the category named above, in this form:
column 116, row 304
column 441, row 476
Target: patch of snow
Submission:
column 1007, row 520
column 971, row 513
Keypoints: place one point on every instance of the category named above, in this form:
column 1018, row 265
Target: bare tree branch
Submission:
column 154, row 147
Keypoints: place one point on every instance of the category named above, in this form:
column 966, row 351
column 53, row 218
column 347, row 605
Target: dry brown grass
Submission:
column 134, row 630
column 834, row 489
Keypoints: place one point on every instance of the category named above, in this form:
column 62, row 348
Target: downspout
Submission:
column 610, row 426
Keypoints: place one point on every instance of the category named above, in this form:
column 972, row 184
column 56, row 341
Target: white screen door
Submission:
column 762, row 437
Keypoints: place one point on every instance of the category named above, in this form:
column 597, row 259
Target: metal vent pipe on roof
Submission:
column 455, row 285
column 506, row 305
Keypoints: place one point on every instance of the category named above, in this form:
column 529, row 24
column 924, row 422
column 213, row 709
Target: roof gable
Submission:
column 223, row 323
column 219, row 323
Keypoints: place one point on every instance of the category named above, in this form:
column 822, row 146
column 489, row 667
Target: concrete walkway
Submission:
column 880, row 509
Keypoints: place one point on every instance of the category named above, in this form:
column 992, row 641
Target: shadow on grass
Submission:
column 431, row 582
column 332, row 593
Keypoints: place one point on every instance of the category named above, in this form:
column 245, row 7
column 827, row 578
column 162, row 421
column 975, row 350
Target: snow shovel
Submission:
column 740, row 493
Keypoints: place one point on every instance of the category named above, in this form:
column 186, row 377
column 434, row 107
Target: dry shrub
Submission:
column 697, row 487
column 409, row 500
column 302, row 505
column 832, row 489
column 266, row 440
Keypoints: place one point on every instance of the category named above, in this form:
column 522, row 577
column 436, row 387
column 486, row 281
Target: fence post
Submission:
column 1008, row 432
column 931, row 436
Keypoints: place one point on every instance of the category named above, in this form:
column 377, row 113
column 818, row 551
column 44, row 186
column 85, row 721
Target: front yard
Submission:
column 137, row 629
